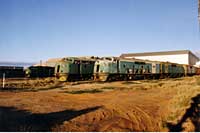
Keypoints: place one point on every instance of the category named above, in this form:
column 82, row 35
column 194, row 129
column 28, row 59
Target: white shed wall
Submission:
column 181, row 58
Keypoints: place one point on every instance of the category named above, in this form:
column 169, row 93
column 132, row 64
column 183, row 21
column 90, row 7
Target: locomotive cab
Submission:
column 62, row 69
column 105, row 67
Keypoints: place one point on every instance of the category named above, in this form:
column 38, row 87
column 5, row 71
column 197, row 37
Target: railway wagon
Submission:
column 167, row 70
column 74, row 68
column 164, row 69
column 197, row 71
column 155, row 70
column 12, row 71
column 175, row 70
column 189, row 70
column 39, row 71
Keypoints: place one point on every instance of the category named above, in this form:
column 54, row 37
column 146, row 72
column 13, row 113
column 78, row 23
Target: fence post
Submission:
column 4, row 75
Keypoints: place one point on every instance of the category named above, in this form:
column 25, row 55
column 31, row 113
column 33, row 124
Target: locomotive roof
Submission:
column 78, row 58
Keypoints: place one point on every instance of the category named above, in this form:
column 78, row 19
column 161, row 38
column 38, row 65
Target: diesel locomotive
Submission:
column 73, row 68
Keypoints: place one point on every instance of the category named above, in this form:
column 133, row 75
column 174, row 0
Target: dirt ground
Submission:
column 145, row 105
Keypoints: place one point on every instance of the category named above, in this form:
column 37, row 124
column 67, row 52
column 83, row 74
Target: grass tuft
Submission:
column 160, row 84
column 141, row 88
column 129, row 82
column 84, row 91
column 108, row 88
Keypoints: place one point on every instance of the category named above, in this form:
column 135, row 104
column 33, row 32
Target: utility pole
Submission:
column 40, row 62
column 199, row 13
column 4, row 75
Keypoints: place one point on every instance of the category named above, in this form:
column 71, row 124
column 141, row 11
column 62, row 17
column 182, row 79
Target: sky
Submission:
column 34, row 30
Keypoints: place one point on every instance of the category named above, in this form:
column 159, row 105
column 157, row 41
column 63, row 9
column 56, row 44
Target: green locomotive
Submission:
column 106, row 68
column 113, row 68
column 74, row 68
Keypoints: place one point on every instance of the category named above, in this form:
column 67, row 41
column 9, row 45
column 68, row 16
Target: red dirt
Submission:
column 126, row 107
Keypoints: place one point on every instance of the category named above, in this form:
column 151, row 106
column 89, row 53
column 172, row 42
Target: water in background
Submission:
column 17, row 64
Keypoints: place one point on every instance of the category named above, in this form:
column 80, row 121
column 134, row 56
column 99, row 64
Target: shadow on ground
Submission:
column 192, row 113
column 12, row 119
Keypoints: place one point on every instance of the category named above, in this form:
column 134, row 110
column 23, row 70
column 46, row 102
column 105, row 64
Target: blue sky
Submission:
column 33, row 30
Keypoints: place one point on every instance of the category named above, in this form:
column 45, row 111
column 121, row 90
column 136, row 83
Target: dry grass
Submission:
column 198, row 81
column 31, row 84
column 181, row 100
